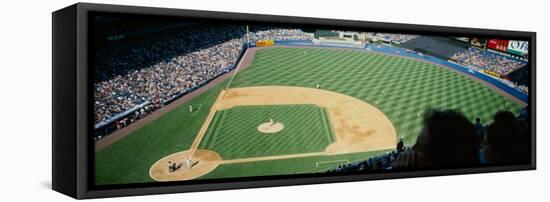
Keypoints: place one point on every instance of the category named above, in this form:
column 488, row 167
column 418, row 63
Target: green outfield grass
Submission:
column 410, row 87
column 233, row 132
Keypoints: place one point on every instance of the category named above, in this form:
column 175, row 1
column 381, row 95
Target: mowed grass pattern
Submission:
column 409, row 87
column 404, row 87
column 233, row 132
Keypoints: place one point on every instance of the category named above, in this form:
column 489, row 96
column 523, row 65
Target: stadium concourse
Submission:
column 140, row 72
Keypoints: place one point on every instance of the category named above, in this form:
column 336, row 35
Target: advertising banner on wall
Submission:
column 498, row 44
column 265, row 43
column 518, row 47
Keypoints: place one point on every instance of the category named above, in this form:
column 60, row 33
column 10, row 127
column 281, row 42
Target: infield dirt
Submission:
column 358, row 126
column 352, row 121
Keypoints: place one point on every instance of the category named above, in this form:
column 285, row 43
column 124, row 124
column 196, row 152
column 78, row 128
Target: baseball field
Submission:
column 295, row 110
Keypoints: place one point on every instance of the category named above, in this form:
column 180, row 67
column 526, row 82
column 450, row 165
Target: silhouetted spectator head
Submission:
column 400, row 145
column 480, row 131
column 448, row 139
column 506, row 143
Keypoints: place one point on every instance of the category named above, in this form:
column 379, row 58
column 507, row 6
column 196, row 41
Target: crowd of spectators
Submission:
column 157, row 68
column 391, row 37
column 383, row 162
column 273, row 33
column 449, row 140
column 487, row 60
column 520, row 78
column 126, row 120
column 523, row 88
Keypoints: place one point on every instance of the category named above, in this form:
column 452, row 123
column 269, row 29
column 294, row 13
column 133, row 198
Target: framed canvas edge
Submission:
column 84, row 190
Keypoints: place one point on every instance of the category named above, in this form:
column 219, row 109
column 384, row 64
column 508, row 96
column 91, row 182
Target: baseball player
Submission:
column 188, row 162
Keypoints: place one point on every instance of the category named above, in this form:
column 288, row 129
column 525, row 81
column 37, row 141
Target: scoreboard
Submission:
column 515, row 47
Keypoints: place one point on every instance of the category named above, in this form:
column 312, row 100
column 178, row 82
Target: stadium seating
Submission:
column 388, row 160
column 150, row 71
column 487, row 60
column 440, row 47
column 519, row 77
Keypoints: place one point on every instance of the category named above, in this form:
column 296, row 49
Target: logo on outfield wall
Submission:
column 265, row 43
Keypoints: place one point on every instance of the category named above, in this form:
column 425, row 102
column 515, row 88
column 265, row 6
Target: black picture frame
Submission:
column 71, row 108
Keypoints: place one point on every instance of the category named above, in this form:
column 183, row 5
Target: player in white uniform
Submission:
column 188, row 163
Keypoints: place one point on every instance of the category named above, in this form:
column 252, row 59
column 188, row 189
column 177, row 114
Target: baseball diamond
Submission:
column 233, row 132
column 336, row 105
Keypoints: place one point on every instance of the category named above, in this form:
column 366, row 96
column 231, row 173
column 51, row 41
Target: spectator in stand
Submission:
column 447, row 140
column 501, row 65
column 274, row 33
column 400, row 145
column 506, row 143
column 488, row 61
column 396, row 38
column 158, row 68
column 520, row 78
column 480, row 130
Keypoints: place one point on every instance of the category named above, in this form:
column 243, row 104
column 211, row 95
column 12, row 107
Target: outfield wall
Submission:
column 403, row 52
column 386, row 49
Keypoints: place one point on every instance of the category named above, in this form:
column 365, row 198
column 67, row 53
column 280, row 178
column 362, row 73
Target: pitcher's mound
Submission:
column 269, row 127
